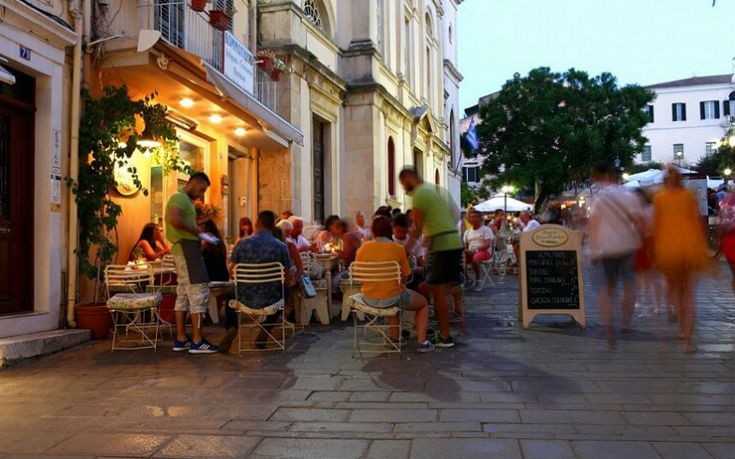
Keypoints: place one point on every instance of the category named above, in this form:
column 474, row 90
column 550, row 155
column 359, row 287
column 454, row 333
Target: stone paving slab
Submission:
column 551, row 391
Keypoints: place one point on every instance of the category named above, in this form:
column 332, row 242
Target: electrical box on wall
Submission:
column 243, row 201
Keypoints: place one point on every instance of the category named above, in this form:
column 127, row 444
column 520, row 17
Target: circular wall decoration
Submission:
column 124, row 183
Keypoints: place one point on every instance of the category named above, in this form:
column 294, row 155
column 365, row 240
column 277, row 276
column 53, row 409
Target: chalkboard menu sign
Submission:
column 551, row 274
column 552, row 281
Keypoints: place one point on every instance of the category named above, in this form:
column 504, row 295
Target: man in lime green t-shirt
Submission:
column 192, row 291
column 435, row 216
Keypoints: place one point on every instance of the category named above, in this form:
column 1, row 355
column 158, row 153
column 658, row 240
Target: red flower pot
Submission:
column 219, row 19
column 276, row 74
column 198, row 5
column 97, row 319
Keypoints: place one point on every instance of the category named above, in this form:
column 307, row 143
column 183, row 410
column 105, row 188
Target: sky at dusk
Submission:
column 638, row 41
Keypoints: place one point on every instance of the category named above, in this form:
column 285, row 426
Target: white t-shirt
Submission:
column 475, row 238
column 301, row 243
column 531, row 225
column 612, row 228
column 416, row 250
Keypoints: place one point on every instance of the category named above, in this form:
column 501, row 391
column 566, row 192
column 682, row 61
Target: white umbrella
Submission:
column 632, row 184
column 499, row 202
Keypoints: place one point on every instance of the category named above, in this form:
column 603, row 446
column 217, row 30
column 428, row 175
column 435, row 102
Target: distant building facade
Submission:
column 688, row 118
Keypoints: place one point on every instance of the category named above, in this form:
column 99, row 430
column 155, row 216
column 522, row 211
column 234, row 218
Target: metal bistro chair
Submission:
column 375, row 271
column 133, row 312
column 253, row 274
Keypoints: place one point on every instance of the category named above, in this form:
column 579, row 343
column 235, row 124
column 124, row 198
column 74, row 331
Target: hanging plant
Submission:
column 107, row 140
column 272, row 64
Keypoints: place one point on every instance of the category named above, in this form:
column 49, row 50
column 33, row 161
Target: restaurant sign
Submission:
column 239, row 64
column 549, row 237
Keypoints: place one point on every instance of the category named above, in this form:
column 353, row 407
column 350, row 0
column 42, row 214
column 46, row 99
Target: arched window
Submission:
column 391, row 167
column 436, row 177
column 452, row 142
column 429, row 27
column 450, row 34
column 428, row 74
column 315, row 12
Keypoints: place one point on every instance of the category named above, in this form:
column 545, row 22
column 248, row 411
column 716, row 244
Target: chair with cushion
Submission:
column 134, row 313
column 376, row 318
column 252, row 319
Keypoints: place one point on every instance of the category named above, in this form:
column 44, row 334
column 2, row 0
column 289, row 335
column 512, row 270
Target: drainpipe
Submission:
column 253, row 26
column 81, row 21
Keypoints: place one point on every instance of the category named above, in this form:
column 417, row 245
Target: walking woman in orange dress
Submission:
column 680, row 248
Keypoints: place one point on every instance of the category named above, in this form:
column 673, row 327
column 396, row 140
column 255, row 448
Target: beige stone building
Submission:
column 369, row 90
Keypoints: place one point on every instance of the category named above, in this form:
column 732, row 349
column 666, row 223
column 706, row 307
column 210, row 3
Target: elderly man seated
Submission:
column 263, row 247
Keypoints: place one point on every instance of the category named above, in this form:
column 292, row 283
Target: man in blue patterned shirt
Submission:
column 262, row 247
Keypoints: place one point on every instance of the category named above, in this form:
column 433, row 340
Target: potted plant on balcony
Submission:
column 221, row 19
column 110, row 132
column 198, row 5
column 272, row 64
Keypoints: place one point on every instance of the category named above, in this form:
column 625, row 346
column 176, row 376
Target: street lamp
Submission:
column 506, row 189
column 727, row 172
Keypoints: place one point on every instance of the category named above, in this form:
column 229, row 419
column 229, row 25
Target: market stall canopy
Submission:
column 652, row 177
column 499, row 202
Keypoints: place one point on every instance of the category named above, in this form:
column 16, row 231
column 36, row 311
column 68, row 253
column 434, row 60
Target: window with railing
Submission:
column 266, row 89
column 169, row 20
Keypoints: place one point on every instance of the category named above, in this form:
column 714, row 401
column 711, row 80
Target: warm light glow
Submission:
column 215, row 118
column 149, row 143
column 241, row 131
column 507, row 189
column 727, row 171
column 147, row 154
column 731, row 140
column 626, row 176
column 186, row 102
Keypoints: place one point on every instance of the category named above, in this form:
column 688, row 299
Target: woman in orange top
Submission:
column 387, row 294
column 680, row 248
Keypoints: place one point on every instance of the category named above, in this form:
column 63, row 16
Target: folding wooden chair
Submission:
column 376, row 318
column 252, row 319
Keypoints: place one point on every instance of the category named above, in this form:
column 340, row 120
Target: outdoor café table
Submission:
column 215, row 289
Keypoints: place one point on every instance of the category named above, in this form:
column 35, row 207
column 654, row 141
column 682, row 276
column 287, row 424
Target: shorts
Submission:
column 402, row 301
column 612, row 268
column 481, row 255
column 193, row 298
column 444, row 267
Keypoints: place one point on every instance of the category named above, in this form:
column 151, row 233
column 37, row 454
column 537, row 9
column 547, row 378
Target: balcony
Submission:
column 190, row 30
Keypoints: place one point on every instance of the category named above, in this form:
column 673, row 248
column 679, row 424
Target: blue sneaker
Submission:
column 426, row 346
column 202, row 348
column 182, row 345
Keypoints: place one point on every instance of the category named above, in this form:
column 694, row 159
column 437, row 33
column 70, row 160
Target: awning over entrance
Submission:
column 253, row 105
column 174, row 73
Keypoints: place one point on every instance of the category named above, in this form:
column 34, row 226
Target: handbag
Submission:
column 306, row 287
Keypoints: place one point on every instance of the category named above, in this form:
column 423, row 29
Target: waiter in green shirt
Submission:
column 435, row 216
column 192, row 291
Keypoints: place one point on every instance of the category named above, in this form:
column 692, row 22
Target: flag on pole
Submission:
column 471, row 136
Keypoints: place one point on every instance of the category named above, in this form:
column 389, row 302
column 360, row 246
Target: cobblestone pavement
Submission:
column 554, row 391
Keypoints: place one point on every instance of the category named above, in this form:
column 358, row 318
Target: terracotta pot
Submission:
column 265, row 63
column 275, row 74
column 96, row 318
column 219, row 19
column 198, row 5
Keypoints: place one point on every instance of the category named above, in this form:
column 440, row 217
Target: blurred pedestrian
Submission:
column 680, row 248
column 478, row 242
column 615, row 235
column 727, row 230
column 649, row 302
column 435, row 216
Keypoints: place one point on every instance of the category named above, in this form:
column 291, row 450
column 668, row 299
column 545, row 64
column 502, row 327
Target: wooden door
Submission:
column 16, row 208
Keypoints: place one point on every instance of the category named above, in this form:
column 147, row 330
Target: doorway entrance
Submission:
column 16, row 195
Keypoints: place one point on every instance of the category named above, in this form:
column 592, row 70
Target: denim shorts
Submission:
column 612, row 268
column 402, row 301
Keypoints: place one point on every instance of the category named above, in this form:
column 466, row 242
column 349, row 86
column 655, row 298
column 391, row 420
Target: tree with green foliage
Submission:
column 717, row 162
column 544, row 131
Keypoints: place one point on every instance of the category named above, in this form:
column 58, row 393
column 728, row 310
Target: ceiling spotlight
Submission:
column 215, row 118
column 240, row 131
column 186, row 102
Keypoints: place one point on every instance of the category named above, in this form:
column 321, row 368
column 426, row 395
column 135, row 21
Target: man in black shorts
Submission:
column 435, row 216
